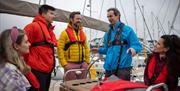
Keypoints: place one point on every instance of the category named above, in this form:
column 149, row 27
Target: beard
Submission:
column 77, row 25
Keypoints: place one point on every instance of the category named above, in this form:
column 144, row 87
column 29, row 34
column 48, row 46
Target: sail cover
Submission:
column 23, row 8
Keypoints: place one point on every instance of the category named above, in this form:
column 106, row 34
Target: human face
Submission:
column 159, row 47
column 49, row 16
column 23, row 48
column 76, row 20
column 112, row 18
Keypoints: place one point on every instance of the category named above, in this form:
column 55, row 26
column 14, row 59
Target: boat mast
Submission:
column 144, row 29
column 135, row 20
column 40, row 2
column 90, row 15
column 152, row 25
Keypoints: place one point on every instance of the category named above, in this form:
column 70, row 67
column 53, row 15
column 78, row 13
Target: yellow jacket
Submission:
column 74, row 52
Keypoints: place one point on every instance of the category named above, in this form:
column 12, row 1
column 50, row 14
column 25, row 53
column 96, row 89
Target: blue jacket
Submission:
column 112, row 53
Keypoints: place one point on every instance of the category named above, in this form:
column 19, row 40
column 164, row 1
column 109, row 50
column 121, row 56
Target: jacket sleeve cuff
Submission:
column 88, row 62
column 63, row 63
column 33, row 80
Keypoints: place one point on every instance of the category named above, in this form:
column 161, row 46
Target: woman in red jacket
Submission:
column 163, row 66
column 14, row 73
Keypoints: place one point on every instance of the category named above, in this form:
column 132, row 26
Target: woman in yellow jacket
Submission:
column 73, row 50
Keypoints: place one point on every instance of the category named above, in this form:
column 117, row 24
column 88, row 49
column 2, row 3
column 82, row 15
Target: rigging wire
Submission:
column 161, row 7
column 175, row 15
column 84, row 10
column 159, row 23
column 100, row 14
column 144, row 29
column 144, row 20
column 166, row 12
column 176, row 30
column 152, row 26
column 39, row 2
column 44, row 1
column 135, row 19
column 115, row 3
column 123, row 11
column 101, row 9
column 90, row 6
column 84, row 7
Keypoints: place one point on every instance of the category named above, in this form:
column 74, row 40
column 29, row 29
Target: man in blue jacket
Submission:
column 120, row 45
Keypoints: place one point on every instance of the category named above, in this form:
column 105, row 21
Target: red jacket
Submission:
column 118, row 85
column 33, row 80
column 150, row 75
column 40, row 57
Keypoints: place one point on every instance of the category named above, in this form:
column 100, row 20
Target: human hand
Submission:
column 26, row 69
column 67, row 66
column 132, row 51
column 94, row 50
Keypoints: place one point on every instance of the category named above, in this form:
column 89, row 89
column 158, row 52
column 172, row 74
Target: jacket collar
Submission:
column 70, row 26
column 115, row 26
column 39, row 18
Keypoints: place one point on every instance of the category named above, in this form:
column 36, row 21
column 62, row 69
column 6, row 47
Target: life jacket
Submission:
column 45, row 42
column 117, row 41
column 118, row 38
column 153, row 77
column 73, row 39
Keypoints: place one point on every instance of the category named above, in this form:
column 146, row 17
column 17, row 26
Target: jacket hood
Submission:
column 39, row 18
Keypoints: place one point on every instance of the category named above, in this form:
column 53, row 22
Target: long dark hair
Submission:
column 173, row 54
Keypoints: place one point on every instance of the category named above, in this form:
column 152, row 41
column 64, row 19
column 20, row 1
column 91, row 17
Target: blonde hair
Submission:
column 8, row 52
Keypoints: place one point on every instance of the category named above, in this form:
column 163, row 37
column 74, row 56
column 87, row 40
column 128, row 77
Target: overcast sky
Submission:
column 162, row 10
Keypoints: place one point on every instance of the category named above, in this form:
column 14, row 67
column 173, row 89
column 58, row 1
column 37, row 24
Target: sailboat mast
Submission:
column 90, row 15
column 144, row 29
column 152, row 27
column 40, row 2
column 135, row 20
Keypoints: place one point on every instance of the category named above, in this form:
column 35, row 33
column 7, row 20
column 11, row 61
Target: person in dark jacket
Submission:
column 163, row 65
column 42, row 38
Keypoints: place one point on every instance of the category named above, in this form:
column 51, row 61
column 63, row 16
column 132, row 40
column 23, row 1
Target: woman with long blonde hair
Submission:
column 14, row 73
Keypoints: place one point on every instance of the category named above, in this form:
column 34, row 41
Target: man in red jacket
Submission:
column 40, row 35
